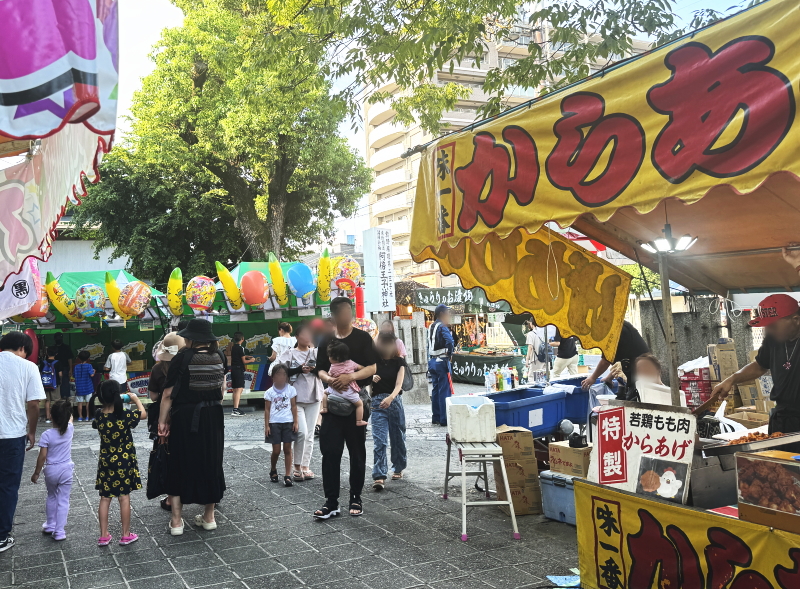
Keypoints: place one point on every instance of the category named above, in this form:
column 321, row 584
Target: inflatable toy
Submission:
column 90, row 300
column 301, row 280
column 200, row 293
column 34, row 357
column 134, row 298
column 174, row 292
column 278, row 282
column 229, row 285
column 347, row 267
column 254, row 288
column 60, row 300
column 346, row 285
column 324, row 277
column 42, row 305
column 113, row 292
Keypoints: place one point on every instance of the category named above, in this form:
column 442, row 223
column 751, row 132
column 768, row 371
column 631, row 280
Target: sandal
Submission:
column 287, row 481
column 308, row 475
column 327, row 511
column 316, row 431
column 397, row 476
column 378, row 486
column 273, row 476
column 165, row 506
column 357, row 506
column 104, row 540
column 298, row 476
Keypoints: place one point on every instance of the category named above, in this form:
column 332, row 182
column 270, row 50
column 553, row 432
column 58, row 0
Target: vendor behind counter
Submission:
column 779, row 315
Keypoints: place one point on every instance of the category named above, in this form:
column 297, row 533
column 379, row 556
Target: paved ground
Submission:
column 266, row 538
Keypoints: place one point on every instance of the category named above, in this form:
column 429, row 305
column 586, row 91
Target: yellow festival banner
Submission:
column 716, row 107
column 629, row 542
column 555, row 280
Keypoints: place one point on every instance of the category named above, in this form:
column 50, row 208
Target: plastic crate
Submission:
column 576, row 406
column 529, row 408
column 558, row 496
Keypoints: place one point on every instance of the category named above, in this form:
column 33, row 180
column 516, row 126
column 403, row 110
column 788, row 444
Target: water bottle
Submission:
column 508, row 377
column 488, row 380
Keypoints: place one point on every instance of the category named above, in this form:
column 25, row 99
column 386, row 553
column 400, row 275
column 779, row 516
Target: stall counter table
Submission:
column 469, row 368
column 627, row 540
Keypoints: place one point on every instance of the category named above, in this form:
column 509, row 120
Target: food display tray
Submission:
column 722, row 449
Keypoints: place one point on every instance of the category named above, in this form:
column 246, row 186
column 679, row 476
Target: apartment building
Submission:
column 395, row 182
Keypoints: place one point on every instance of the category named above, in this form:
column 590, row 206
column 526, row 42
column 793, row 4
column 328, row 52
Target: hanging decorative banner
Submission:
column 626, row 540
column 712, row 108
column 549, row 276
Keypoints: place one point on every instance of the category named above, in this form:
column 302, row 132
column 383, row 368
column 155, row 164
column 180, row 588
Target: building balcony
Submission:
column 390, row 181
column 387, row 156
column 386, row 133
column 380, row 112
column 395, row 203
column 397, row 228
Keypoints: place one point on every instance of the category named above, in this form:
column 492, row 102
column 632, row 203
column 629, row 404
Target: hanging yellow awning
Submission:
column 715, row 108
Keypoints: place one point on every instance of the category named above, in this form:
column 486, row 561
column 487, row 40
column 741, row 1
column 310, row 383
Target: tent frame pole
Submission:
column 669, row 325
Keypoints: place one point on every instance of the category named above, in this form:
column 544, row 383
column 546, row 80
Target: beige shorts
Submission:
column 52, row 395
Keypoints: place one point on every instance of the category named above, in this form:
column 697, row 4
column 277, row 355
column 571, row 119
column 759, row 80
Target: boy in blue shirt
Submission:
column 84, row 386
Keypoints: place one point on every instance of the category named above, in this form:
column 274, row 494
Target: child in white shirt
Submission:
column 280, row 421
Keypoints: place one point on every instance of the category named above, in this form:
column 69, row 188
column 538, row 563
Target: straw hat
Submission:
column 169, row 346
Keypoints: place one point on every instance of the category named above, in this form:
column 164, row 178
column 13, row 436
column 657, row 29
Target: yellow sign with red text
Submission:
column 626, row 541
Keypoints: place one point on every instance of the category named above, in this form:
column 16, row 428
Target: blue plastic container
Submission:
column 529, row 408
column 576, row 405
column 558, row 496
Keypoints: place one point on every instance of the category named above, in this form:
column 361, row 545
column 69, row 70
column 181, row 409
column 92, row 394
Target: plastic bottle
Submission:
column 498, row 378
column 507, row 384
column 515, row 376
column 488, row 380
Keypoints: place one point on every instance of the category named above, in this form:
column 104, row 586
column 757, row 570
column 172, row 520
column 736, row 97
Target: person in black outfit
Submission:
column 779, row 315
column 64, row 367
column 337, row 431
column 388, row 415
column 238, row 360
column 631, row 345
column 566, row 354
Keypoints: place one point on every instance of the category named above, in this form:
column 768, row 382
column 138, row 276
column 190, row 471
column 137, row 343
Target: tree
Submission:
column 158, row 218
column 642, row 278
column 263, row 131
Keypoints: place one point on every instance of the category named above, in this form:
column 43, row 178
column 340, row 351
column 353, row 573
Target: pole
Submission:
column 669, row 325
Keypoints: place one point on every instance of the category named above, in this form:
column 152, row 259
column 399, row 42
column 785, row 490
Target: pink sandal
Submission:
column 129, row 539
column 104, row 540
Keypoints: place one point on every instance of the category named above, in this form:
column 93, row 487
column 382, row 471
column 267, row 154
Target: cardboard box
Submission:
column 765, row 405
column 749, row 419
column 526, row 500
column 137, row 366
column 722, row 358
column 566, row 460
column 748, row 394
column 766, row 488
column 521, row 473
column 516, row 442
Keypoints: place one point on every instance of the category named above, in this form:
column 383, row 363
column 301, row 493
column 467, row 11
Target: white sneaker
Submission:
column 200, row 522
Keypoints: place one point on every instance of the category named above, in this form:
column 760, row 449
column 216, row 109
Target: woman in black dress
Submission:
column 191, row 422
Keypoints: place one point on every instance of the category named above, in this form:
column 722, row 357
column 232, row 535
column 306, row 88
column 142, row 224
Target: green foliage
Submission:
column 638, row 284
column 159, row 218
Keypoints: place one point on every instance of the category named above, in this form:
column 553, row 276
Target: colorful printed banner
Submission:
column 626, row 540
column 717, row 107
column 558, row 282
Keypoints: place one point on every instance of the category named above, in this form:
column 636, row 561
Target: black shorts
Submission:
column 280, row 433
column 237, row 377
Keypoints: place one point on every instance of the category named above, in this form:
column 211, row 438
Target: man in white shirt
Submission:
column 117, row 364
column 20, row 392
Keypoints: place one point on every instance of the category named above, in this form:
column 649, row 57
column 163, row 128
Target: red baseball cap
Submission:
column 774, row 307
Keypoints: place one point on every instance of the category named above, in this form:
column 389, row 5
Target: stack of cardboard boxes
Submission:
column 757, row 392
column 722, row 364
column 522, row 471
column 571, row 461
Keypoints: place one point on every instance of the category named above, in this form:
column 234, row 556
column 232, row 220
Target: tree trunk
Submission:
column 277, row 190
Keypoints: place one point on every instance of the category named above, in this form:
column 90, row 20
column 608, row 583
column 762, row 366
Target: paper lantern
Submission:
column 134, row 298
column 90, row 300
column 254, row 288
column 200, row 293
column 301, row 280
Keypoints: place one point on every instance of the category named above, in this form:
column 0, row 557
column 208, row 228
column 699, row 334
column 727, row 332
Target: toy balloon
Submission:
column 90, row 300
column 174, row 288
column 114, row 296
column 324, row 276
column 200, row 293
column 42, row 304
column 346, row 284
column 278, row 282
column 60, row 299
column 229, row 285
column 134, row 298
column 254, row 287
column 301, row 280
column 347, row 267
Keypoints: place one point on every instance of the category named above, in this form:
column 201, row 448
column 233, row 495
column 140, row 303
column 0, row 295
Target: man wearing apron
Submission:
column 779, row 315
column 440, row 347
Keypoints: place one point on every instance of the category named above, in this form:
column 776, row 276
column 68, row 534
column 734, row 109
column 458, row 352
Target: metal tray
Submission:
column 722, row 449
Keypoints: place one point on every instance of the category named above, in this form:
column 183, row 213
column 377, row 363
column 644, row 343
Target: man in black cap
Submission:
column 440, row 348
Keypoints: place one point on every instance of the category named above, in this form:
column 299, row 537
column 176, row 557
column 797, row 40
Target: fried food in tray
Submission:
column 754, row 437
column 769, row 484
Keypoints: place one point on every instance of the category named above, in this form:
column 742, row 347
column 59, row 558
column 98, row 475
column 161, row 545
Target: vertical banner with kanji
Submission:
column 378, row 270
column 645, row 451
column 628, row 541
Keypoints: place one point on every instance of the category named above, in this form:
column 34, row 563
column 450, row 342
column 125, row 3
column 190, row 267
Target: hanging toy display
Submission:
column 200, row 293
column 301, row 280
column 113, row 292
column 347, row 267
column 90, row 300
column 229, row 286
column 254, row 288
column 60, row 300
column 175, row 292
column 278, row 281
column 42, row 304
column 134, row 298
column 367, row 325
column 324, row 277
column 346, row 285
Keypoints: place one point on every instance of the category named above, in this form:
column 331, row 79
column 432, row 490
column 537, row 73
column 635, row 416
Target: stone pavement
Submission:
column 408, row 536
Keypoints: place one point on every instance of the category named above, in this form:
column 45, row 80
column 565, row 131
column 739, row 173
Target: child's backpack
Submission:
column 48, row 374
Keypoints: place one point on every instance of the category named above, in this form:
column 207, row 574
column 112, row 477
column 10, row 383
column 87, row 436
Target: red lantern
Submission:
column 254, row 287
